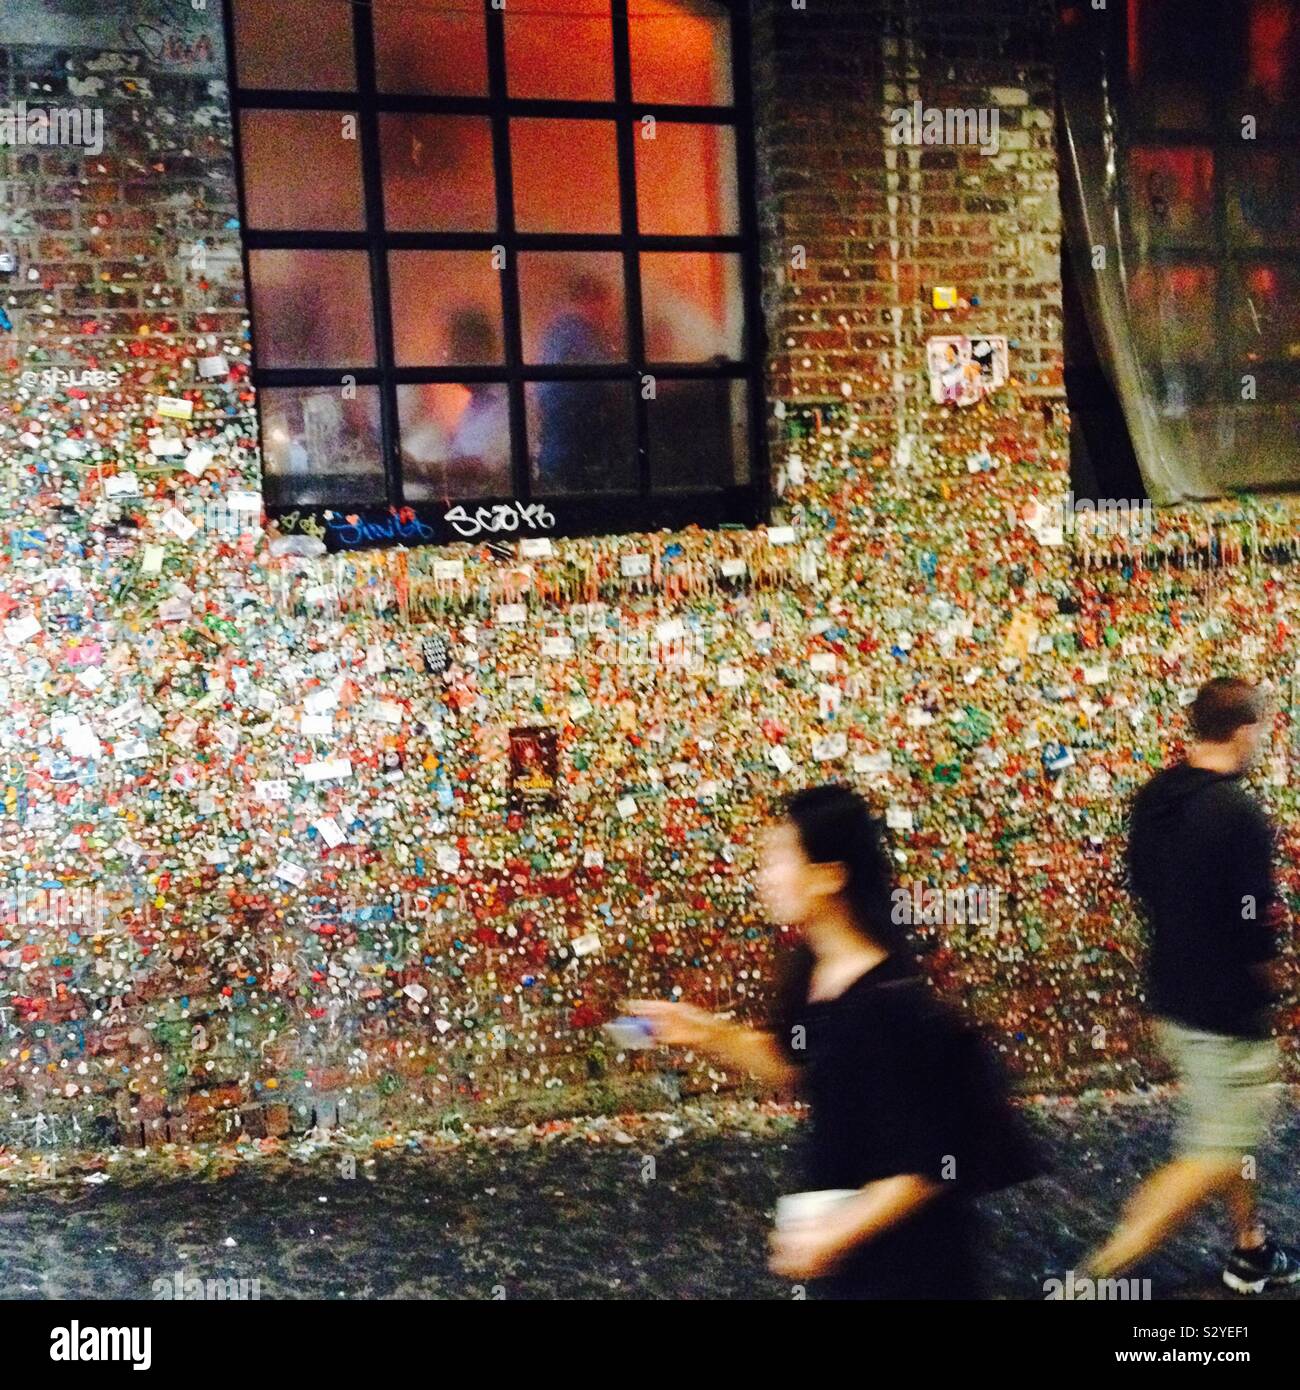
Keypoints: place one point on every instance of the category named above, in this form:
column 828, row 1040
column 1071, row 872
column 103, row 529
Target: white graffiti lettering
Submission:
column 504, row 516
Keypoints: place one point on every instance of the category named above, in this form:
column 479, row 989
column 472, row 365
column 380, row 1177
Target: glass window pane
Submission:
column 436, row 46
column 320, row 58
column 312, row 308
column 1264, row 44
column 572, row 306
column 284, row 153
column 1264, row 199
column 686, row 180
column 699, row 434
column 1166, row 57
column 692, row 306
column 560, row 49
column 681, row 51
column 318, row 447
column 455, row 440
column 565, row 175
column 438, row 174
column 1171, row 195
column 446, row 308
column 1266, row 313
column 1261, row 450
column 581, row 436
column 1174, row 314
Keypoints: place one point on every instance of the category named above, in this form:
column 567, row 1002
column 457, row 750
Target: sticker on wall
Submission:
column 965, row 370
column 533, row 776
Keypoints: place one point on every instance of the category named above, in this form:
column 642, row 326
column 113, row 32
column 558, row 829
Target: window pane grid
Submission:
column 397, row 365
column 1200, row 245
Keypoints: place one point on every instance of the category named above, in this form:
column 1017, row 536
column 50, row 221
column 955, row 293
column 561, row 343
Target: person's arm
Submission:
column 733, row 1044
column 814, row 1250
column 1261, row 906
column 1136, row 853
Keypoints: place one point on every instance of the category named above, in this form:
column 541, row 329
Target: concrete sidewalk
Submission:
column 575, row 1221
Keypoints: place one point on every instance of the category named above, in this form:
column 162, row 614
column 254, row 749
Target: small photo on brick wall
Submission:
column 965, row 370
column 534, row 781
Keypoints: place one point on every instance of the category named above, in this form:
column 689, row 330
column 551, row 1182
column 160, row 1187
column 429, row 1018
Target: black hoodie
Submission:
column 1200, row 860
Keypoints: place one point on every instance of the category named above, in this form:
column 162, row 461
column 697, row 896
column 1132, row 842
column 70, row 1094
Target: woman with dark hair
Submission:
column 909, row 1113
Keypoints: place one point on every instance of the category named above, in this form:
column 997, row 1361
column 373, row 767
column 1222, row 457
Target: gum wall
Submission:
column 259, row 868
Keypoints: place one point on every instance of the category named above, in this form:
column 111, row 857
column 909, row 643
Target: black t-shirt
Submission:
column 898, row 1084
column 1200, row 860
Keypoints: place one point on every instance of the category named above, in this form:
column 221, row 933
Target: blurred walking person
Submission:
column 1200, row 862
column 909, row 1114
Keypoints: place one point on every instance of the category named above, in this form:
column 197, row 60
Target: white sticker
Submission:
column 197, row 460
column 124, row 713
column 898, row 818
column 823, row 662
column 779, row 758
column 448, row 858
column 585, row 945
column 79, row 739
column 291, row 873
column 830, row 746
column 388, row 712
column 122, row 485
column 634, row 566
column 271, row 789
column 330, row 831
column 212, row 367
column 328, row 770
column 317, row 725
column 511, row 614
column 535, row 547
column 449, row 569
column 780, row 535
column 729, row 677
column 20, row 630
column 178, row 523
column 165, row 446
column 130, row 749
column 175, row 407
column 626, row 807
column 733, row 567
column 152, row 560
column 557, row 646
column 183, row 734
column 321, row 701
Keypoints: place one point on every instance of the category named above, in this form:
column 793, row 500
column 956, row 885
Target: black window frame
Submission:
column 612, row 512
column 1229, row 257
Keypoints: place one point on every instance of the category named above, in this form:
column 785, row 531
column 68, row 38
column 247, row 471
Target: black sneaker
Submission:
column 1266, row 1267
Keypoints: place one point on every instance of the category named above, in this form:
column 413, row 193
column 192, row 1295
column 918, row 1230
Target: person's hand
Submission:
column 810, row 1249
column 678, row 1025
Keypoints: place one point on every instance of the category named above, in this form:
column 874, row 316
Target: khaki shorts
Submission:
column 1230, row 1089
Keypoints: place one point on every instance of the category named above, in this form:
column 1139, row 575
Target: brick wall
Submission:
column 451, row 954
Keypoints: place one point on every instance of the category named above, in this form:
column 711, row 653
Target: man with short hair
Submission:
column 1200, row 861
